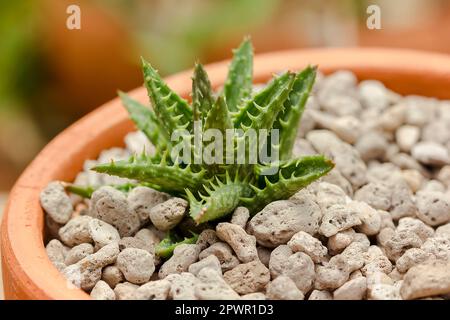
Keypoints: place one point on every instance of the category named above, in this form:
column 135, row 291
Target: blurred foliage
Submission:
column 20, row 72
column 175, row 33
column 19, row 58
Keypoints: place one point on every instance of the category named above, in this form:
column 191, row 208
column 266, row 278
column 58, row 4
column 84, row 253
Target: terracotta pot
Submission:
column 28, row 273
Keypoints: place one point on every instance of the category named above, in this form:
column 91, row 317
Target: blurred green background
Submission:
column 51, row 76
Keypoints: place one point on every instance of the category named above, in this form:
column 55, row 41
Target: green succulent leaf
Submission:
column 292, row 176
column 146, row 121
column 219, row 117
column 87, row 191
column 168, row 176
column 202, row 96
column 219, row 200
column 165, row 248
column 288, row 120
column 238, row 85
column 82, row 191
column 173, row 111
column 261, row 111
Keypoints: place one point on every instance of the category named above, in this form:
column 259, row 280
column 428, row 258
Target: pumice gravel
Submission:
column 376, row 227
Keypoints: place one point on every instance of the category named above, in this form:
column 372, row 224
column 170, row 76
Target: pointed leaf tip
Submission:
column 238, row 85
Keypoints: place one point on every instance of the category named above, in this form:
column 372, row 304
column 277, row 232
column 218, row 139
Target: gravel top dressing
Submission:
column 376, row 226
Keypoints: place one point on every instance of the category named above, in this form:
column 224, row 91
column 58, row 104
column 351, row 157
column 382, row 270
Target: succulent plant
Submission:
column 215, row 190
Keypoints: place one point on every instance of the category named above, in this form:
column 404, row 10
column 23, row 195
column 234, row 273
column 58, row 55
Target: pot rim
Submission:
column 28, row 273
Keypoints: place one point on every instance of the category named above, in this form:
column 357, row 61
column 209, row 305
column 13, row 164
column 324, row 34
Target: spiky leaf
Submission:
column 288, row 120
column 173, row 111
column 169, row 177
column 219, row 117
column 261, row 111
column 220, row 199
column 238, row 85
column 202, row 96
column 292, row 176
column 146, row 121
